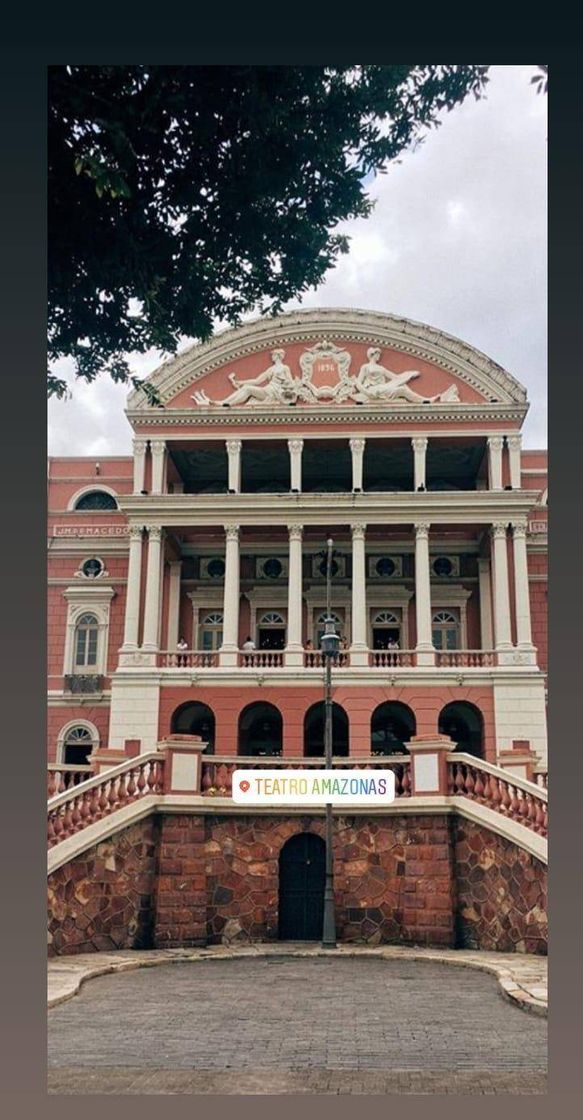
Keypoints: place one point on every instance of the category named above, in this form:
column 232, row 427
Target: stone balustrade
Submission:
column 217, row 772
column 188, row 659
column 260, row 659
column 515, row 798
column 391, row 658
column 62, row 776
column 98, row 797
column 313, row 659
column 466, row 659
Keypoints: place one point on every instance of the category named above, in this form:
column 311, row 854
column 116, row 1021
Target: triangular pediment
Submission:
column 329, row 358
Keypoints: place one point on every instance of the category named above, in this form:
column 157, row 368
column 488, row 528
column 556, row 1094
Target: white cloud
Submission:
column 457, row 239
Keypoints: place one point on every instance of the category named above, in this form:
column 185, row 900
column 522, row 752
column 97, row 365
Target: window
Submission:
column 77, row 746
column 271, row 631
column 96, row 499
column 445, row 630
column 92, row 568
column 86, row 635
column 216, row 568
column 211, row 631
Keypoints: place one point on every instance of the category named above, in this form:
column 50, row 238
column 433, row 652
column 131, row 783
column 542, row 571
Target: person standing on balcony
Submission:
column 181, row 646
column 248, row 647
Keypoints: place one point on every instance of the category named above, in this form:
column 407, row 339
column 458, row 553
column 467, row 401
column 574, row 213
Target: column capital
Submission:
column 155, row 532
column 519, row 528
column 136, row 532
column 357, row 444
column 295, row 445
column 419, row 443
column 496, row 442
column 140, row 446
column 234, row 446
column 422, row 528
column 158, row 446
column 232, row 532
column 296, row 532
column 498, row 529
column 358, row 529
column 515, row 441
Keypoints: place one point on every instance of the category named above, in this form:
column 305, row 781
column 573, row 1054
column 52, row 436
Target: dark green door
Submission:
column 302, row 870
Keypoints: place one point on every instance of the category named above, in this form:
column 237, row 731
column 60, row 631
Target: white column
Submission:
column 132, row 615
column 158, row 449
column 485, row 588
column 359, row 646
column 521, row 590
column 419, row 445
column 495, row 445
column 425, row 652
column 502, row 630
column 234, row 447
column 295, row 448
column 140, row 448
column 514, row 444
column 230, row 646
column 153, row 584
column 174, row 604
column 294, row 650
column 357, row 447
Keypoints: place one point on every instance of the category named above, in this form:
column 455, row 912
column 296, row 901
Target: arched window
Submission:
column 392, row 725
column 271, row 631
column 445, row 630
column 96, row 499
column 194, row 718
column 386, row 630
column 260, row 730
column 314, row 731
column 464, row 723
column 211, row 631
column 75, row 744
column 86, row 636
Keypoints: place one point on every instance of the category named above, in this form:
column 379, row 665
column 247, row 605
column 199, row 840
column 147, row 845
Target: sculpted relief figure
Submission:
column 274, row 386
column 375, row 382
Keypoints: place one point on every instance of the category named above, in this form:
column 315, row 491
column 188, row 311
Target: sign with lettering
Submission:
column 90, row 531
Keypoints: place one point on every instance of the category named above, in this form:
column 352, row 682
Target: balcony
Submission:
column 217, row 771
column 309, row 660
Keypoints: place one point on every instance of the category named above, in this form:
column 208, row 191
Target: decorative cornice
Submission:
column 373, row 328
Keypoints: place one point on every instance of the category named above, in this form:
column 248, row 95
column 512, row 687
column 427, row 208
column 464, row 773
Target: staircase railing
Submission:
column 84, row 804
column 498, row 789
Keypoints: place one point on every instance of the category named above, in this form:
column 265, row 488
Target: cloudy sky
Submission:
column 457, row 239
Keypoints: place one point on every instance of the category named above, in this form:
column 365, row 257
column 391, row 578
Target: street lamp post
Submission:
column 330, row 644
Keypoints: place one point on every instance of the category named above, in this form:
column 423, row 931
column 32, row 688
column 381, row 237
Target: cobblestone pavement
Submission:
column 277, row 1025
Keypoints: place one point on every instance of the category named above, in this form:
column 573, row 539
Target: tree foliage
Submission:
column 182, row 195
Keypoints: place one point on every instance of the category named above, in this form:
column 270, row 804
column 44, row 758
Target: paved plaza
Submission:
column 275, row 1024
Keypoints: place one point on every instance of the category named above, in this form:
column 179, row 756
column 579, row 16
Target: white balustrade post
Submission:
column 234, row 447
column 140, row 448
column 521, row 589
column 132, row 614
column 295, row 448
column 359, row 646
column 485, row 588
column 174, row 604
column 357, row 447
column 294, row 650
column 502, row 630
column 158, row 449
column 425, row 651
column 230, row 647
column 514, row 444
column 153, row 586
column 495, row 445
column 419, row 445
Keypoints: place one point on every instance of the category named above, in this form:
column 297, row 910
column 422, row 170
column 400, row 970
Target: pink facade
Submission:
column 206, row 479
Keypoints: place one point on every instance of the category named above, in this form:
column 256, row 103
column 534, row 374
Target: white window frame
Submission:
column 87, row 600
column 97, row 485
column 65, row 732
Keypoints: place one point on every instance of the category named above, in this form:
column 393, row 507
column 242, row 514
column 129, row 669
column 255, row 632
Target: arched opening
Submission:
column 302, row 873
column 386, row 630
column 260, row 730
column 195, row 718
column 314, row 731
column 464, row 723
column 97, row 500
column 392, row 725
column 78, row 744
column 271, row 631
column 86, row 637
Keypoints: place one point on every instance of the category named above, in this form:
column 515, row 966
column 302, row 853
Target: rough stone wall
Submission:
column 103, row 899
column 501, row 893
column 393, row 878
column 185, row 879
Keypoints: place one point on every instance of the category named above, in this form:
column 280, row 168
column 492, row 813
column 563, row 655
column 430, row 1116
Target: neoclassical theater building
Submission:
column 187, row 582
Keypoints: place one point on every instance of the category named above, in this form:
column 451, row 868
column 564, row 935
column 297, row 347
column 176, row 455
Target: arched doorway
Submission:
column 464, row 723
column 392, row 725
column 260, row 730
column 314, row 731
column 302, row 873
column 195, row 718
